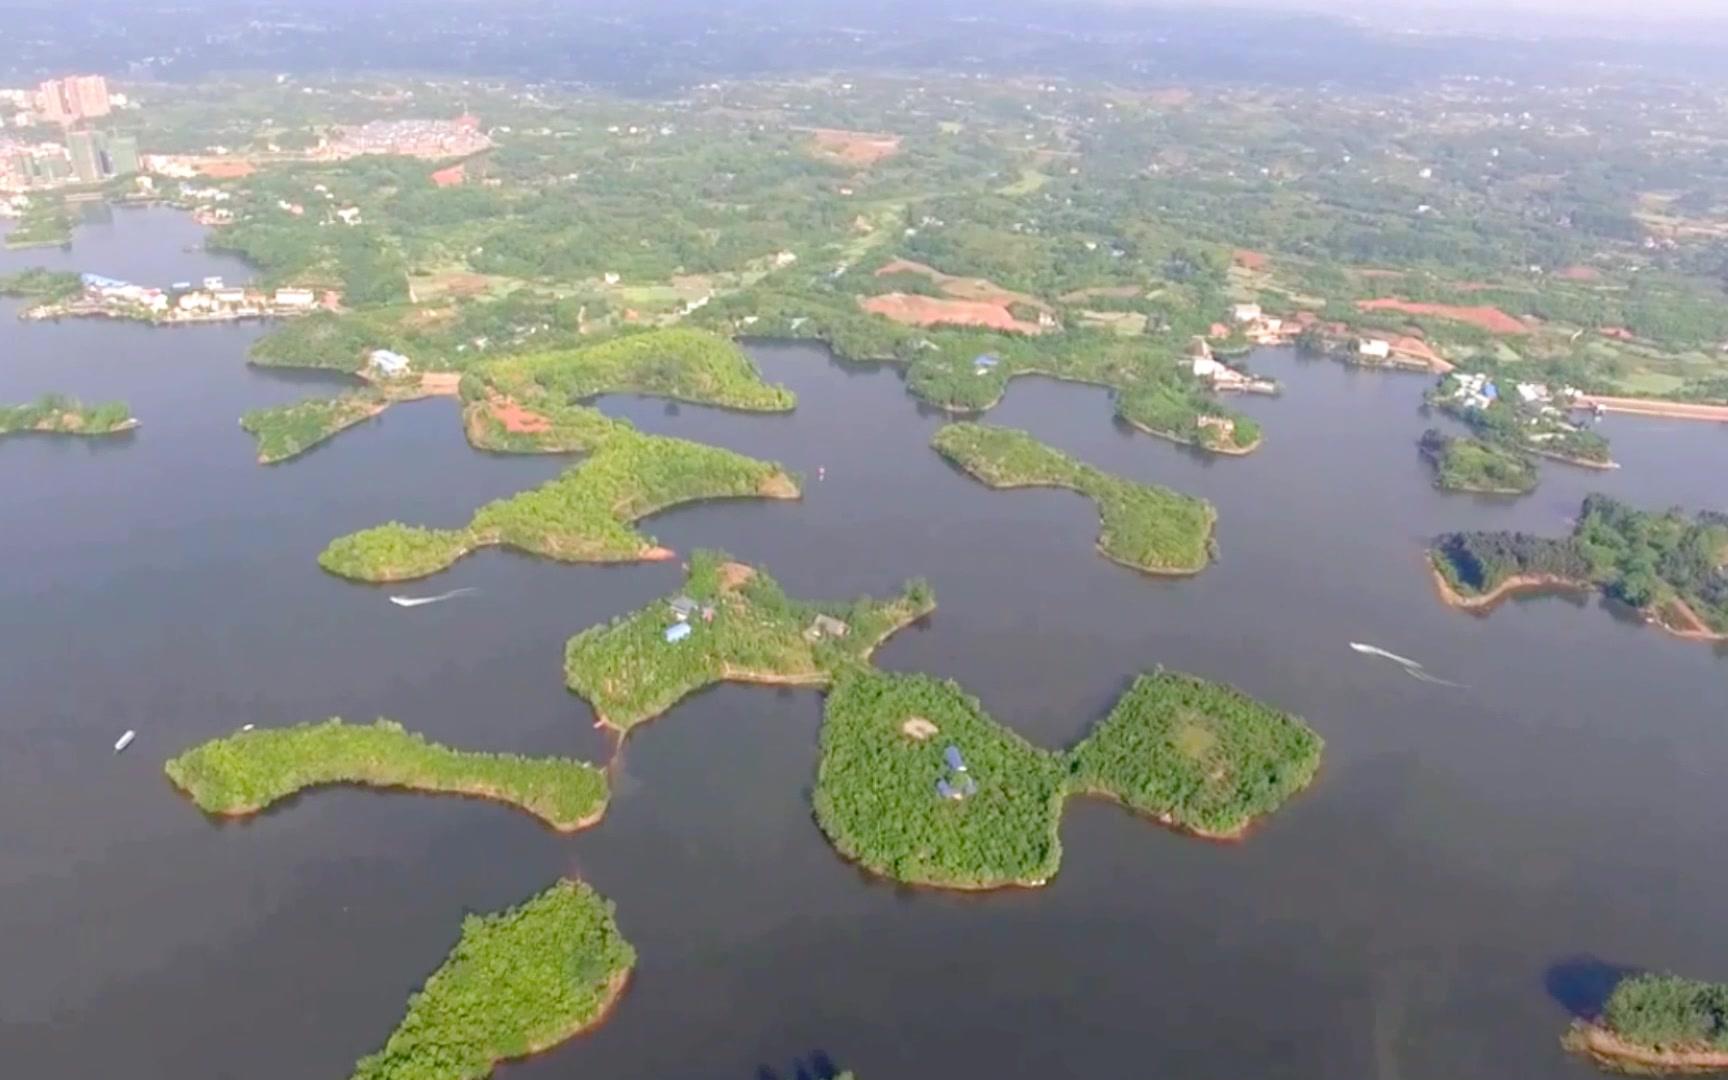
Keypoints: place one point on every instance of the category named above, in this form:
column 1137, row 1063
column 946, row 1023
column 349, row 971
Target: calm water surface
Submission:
column 1421, row 913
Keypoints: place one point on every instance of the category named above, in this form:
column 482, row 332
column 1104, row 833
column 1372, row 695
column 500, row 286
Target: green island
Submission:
column 244, row 773
column 1666, row 565
column 56, row 414
column 1146, row 527
column 1465, row 464
column 1195, row 755
column 583, row 515
column 1654, row 1024
column 45, row 223
column 517, row 983
column 287, row 431
column 739, row 625
column 39, row 284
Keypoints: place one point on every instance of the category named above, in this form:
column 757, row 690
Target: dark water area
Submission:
column 1466, row 864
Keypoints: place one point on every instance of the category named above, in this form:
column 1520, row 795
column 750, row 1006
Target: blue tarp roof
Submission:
column 97, row 281
column 955, row 761
column 678, row 631
column 986, row 360
column 944, row 790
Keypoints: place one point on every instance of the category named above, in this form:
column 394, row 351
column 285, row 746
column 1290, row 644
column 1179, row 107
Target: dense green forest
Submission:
column 1477, row 466
column 1146, row 527
column 1197, row 754
column 583, row 515
column 744, row 628
column 517, row 982
column 1194, row 754
column 287, row 431
column 246, row 772
column 56, row 414
column 1666, row 564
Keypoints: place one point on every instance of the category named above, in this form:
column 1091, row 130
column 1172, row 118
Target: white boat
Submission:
column 1375, row 650
column 124, row 741
column 417, row 601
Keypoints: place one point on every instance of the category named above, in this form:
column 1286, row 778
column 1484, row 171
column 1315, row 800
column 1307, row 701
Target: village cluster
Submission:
column 211, row 300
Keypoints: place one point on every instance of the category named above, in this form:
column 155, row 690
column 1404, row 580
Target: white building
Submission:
column 229, row 296
column 1374, row 348
column 295, row 298
column 388, row 363
column 1246, row 312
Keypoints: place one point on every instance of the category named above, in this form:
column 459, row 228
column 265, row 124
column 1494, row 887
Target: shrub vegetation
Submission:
column 584, row 515
column 245, row 772
column 287, row 431
column 39, row 284
column 630, row 673
column 1477, row 466
column 57, row 414
column 1668, row 1012
column 1147, row 527
column 517, row 982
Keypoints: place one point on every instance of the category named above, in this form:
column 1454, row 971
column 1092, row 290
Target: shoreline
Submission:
column 1541, row 583
column 616, row 984
column 1230, row 451
column 1611, row 1051
column 479, row 792
column 1566, row 459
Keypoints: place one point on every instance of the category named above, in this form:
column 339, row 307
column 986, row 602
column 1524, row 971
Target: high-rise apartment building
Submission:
column 98, row 156
column 77, row 97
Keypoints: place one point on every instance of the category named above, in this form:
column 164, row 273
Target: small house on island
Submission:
column 683, row 607
column 677, row 632
column 826, row 626
column 984, row 363
column 954, row 760
column 1374, row 348
column 387, row 363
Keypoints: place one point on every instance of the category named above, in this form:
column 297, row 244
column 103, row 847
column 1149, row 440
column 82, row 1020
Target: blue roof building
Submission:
column 677, row 632
column 985, row 361
column 97, row 281
column 943, row 789
column 953, row 758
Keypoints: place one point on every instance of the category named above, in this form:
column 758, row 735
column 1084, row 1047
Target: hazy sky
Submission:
column 1630, row 9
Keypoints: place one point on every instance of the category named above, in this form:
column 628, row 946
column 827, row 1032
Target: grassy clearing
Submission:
column 246, row 772
column 1143, row 526
column 584, row 515
column 517, row 982
column 630, row 673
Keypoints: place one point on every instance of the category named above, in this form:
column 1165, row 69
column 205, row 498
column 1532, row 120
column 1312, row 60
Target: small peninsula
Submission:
column 248, row 771
column 917, row 783
column 731, row 623
column 517, row 983
column 1149, row 528
column 56, row 414
column 287, row 431
column 533, row 403
column 1472, row 465
column 1666, row 565
column 1655, row 1024
column 36, row 283
column 583, row 515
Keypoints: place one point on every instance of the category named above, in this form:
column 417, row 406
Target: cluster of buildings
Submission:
column 81, row 154
column 74, row 98
column 1476, row 390
column 210, row 301
column 1221, row 376
column 429, row 139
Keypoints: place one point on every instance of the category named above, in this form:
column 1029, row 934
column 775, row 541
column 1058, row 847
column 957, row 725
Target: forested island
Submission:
column 1146, row 527
column 57, row 414
column 1472, row 465
column 919, row 784
column 244, row 773
column 1654, row 1023
column 287, row 431
column 1666, row 565
column 35, row 283
column 731, row 623
column 583, row 515
column 517, row 983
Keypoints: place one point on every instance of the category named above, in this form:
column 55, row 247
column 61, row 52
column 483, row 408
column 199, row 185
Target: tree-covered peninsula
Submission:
column 919, row 784
column 1146, row 527
column 1473, row 465
column 584, row 515
column 731, row 622
column 39, row 284
column 246, row 772
column 1667, row 565
column 518, row 982
column 536, row 399
column 287, row 431
column 56, row 414
column 1655, row 1023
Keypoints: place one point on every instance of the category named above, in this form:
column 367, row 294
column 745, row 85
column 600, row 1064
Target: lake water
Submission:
column 1422, row 913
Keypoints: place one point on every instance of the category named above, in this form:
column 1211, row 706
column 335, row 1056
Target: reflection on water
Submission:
column 1404, row 917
